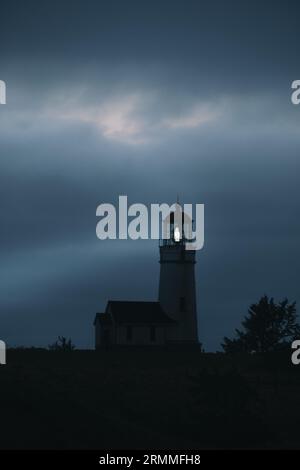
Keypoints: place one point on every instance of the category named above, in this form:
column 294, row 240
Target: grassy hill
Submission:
column 148, row 399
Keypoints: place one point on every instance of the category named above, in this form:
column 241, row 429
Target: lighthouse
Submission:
column 172, row 319
column 177, row 289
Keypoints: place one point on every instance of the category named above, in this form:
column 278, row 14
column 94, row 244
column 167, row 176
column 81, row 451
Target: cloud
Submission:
column 137, row 118
column 141, row 117
column 193, row 118
column 115, row 119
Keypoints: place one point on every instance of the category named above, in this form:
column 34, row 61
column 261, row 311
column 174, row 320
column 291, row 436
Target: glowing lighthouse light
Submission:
column 177, row 234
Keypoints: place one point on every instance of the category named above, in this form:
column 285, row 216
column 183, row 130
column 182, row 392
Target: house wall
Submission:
column 140, row 335
column 104, row 335
column 97, row 334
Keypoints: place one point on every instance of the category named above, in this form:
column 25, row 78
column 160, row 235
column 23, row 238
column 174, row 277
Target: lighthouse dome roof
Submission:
column 177, row 224
column 171, row 217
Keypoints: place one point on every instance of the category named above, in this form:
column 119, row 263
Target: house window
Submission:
column 152, row 334
column 129, row 333
column 182, row 304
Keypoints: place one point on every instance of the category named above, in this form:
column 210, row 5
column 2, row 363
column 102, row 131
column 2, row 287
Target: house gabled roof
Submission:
column 137, row 312
column 103, row 318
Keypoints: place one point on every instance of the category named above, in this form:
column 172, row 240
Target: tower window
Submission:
column 182, row 305
column 129, row 333
column 152, row 334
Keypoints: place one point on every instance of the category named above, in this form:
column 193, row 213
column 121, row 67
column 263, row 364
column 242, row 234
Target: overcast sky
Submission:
column 148, row 99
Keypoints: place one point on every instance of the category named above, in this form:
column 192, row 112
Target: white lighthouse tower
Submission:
column 177, row 290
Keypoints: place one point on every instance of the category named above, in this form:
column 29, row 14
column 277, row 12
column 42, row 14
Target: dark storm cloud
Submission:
column 217, row 31
column 149, row 101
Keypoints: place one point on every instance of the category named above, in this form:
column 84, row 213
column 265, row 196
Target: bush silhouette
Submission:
column 269, row 326
column 62, row 344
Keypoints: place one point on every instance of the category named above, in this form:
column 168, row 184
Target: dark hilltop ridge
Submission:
column 160, row 399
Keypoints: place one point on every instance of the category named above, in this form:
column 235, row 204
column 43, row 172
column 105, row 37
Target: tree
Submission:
column 269, row 326
column 62, row 345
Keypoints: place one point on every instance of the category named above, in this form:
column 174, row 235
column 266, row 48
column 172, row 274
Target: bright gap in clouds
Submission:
column 128, row 119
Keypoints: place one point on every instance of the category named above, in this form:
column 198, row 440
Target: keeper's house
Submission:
column 132, row 323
